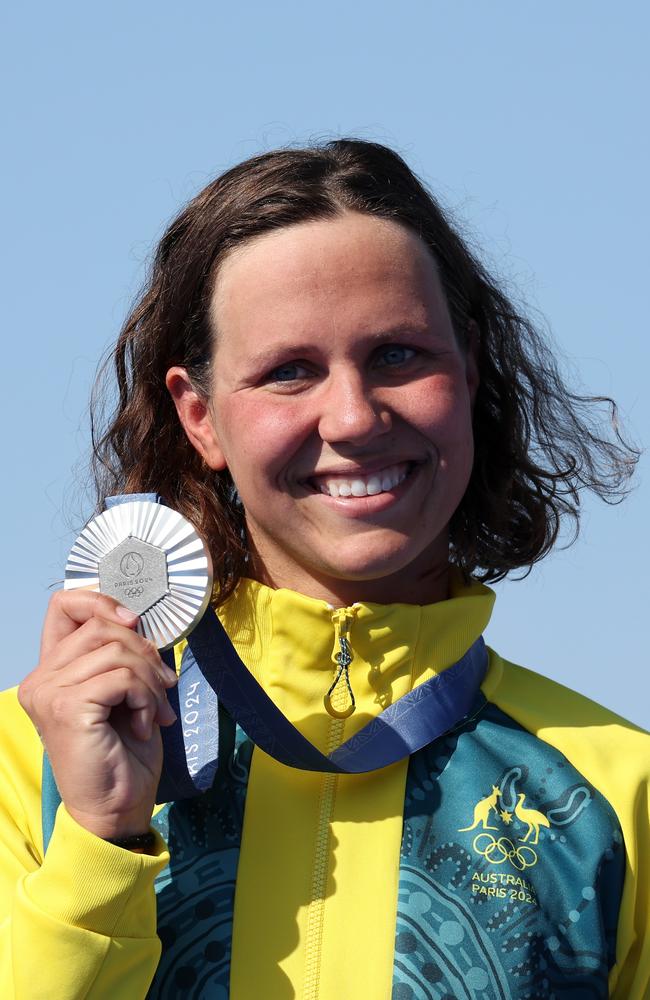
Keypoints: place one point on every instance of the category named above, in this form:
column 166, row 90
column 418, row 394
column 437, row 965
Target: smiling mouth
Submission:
column 357, row 485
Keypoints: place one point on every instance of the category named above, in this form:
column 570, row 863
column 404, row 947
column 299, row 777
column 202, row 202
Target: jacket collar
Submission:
column 288, row 642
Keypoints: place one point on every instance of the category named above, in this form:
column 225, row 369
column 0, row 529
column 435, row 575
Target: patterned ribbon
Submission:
column 212, row 673
column 211, row 666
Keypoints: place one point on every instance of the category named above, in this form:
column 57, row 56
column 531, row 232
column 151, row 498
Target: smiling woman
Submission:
column 327, row 383
column 361, row 379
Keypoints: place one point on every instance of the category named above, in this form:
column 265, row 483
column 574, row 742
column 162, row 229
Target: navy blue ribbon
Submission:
column 212, row 673
column 410, row 723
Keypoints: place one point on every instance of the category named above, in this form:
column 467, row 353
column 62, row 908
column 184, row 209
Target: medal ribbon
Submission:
column 212, row 673
column 413, row 721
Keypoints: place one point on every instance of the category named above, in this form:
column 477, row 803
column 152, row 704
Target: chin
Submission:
column 379, row 568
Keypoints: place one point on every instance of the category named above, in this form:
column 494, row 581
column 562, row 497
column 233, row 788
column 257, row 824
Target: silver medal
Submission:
column 150, row 558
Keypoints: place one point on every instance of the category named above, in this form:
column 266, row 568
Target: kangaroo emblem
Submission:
column 532, row 818
column 482, row 811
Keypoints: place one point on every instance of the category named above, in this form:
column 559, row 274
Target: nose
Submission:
column 351, row 412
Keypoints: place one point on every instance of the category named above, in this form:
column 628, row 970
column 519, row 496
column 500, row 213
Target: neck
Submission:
column 398, row 588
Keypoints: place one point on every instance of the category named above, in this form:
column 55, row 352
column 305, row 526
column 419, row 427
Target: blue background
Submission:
column 528, row 120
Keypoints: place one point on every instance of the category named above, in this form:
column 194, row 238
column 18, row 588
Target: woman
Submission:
column 324, row 380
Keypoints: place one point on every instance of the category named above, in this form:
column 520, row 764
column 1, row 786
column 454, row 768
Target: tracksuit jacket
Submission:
column 510, row 858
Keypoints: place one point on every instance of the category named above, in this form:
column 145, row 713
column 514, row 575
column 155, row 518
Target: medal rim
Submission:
column 73, row 582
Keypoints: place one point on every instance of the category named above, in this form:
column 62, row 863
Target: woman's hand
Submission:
column 98, row 698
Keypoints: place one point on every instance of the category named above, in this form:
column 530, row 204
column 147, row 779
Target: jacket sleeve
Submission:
column 630, row 977
column 614, row 756
column 80, row 922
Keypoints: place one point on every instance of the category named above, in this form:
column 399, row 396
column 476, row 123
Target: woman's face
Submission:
column 342, row 406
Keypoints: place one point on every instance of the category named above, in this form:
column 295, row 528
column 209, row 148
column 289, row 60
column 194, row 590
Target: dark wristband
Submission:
column 138, row 840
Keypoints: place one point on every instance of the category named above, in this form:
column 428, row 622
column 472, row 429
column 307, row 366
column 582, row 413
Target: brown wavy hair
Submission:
column 537, row 444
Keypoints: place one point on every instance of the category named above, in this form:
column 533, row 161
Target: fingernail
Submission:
column 169, row 675
column 167, row 713
column 125, row 614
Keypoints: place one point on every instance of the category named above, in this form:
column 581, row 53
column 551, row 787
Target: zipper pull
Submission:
column 342, row 655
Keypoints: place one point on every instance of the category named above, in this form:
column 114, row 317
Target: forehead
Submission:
column 354, row 269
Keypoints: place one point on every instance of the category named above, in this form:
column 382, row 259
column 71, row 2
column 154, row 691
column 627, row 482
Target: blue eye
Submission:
column 396, row 355
column 287, row 373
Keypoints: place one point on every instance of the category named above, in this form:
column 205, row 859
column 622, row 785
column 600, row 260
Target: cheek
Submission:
column 260, row 436
column 442, row 410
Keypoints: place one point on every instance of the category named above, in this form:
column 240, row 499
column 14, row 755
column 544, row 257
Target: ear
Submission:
column 472, row 350
column 195, row 416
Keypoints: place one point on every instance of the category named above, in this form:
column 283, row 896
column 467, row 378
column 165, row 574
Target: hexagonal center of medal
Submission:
column 135, row 573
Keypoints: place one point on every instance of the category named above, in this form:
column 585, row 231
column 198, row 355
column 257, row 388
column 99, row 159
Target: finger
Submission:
column 141, row 723
column 68, row 609
column 97, row 633
column 92, row 702
column 143, row 716
column 112, row 656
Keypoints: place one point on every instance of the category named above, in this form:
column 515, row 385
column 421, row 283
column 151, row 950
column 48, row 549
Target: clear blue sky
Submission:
column 528, row 120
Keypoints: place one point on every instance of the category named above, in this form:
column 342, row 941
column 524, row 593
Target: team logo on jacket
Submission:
column 506, row 836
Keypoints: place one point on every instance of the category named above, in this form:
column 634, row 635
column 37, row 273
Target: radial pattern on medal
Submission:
column 151, row 559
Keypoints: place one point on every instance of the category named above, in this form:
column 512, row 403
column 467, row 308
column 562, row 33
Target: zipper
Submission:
column 339, row 702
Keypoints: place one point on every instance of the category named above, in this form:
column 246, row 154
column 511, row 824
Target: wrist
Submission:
column 113, row 827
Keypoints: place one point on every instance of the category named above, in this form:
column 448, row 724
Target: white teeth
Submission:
column 379, row 482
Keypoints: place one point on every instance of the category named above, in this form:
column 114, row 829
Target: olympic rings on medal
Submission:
column 503, row 849
column 133, row 592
